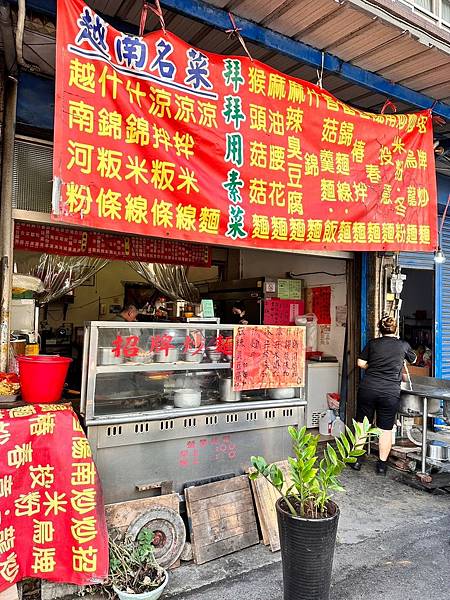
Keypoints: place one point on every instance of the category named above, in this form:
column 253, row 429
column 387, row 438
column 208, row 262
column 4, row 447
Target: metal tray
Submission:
column 7, row 400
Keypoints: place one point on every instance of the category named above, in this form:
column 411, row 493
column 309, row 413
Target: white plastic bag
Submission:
column 310, row 321
column 326, row 420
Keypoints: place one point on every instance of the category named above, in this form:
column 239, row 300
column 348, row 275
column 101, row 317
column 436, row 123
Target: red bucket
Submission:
column 42, row 378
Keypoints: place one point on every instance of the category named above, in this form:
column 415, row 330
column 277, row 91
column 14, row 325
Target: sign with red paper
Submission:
column 268, row 357
column 282, row 312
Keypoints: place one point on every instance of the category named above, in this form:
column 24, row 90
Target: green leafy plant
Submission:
column 132, row 566
column 312, row 480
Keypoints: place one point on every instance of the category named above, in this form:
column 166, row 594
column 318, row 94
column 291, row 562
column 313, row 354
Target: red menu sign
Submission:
column 268, row 357
column 52, row 521
column 282, row 312
column 69, row 241
column 156, row 137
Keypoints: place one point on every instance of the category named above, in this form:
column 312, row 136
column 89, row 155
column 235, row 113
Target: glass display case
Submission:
column 157, row 369
column 164, row 389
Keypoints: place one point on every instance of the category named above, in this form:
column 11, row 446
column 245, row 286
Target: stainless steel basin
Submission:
column 412, row 404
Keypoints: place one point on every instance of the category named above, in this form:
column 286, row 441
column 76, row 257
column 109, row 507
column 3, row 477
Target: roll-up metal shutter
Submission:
column 442, row 320
column 417, row 260
column 32, row 176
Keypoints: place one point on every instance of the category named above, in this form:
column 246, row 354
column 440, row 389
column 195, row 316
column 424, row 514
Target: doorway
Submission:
column 417, row 317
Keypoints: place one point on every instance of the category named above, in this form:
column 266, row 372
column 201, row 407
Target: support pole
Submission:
column 424, row 436
column 6, row 219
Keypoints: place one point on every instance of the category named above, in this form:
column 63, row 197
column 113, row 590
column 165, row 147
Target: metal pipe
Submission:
column 21, row 14
column 7, row 36
column 424, row 435
column 6, row 219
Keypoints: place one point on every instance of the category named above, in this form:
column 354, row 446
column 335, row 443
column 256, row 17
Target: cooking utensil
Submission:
column 437, row 450
column 167, row 356
column 193, row 355
column 281, row 393
column 227, row 394
column 187, row 398
column 106, row 356
column 412, row 404
column 213, row 355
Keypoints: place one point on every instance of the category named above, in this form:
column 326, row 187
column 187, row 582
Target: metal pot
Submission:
column 281, row 393
column 106, row 356
column 214, row 356
column 447, row 410
column 187, row 398
column 412, row 404
column 193, row 355
column 167, row 356
column 437, row 450
column 227, row 394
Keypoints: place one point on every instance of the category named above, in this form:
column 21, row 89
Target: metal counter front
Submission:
column 138, row 436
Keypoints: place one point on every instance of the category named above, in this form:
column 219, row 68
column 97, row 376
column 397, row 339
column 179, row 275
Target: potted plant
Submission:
column 307, row 517
column 134, row 573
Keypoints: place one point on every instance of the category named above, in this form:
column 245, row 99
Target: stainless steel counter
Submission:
column 132, row 455
column 139, row 438
column 427, row 388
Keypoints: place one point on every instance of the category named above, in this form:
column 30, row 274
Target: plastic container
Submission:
column 326, row 421
column 153, row 595
column 310, row 321
column 307, row 551
column 42, row 378
column 338, row 427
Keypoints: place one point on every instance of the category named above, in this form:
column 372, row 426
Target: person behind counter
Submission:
column 238, row 312
column 379, row 392
column 129, row 314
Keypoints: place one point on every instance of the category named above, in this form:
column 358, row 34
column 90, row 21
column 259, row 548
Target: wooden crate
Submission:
column 221, row 518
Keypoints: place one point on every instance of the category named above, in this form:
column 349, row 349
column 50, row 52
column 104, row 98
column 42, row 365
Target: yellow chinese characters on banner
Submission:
column 155, row 137
column 50, row 523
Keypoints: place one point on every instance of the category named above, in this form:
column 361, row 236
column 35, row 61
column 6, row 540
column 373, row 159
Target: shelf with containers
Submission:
column 153, row 395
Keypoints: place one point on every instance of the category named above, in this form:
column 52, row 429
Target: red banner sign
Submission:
column 155, row 137
column 69, row 241
column 268, row 357
column 52, row 522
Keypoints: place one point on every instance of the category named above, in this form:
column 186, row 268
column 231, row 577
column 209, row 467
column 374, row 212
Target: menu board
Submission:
column 282, row 312
column 268, row 357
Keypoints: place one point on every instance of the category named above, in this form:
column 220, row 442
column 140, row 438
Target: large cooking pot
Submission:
column 437, row 450
column 412, row 404
column 447, row 410
column 281, row 393
column 106, row 356
column 227, row 394
column 187, row 398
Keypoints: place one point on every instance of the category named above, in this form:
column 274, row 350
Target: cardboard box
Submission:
column 420, row 371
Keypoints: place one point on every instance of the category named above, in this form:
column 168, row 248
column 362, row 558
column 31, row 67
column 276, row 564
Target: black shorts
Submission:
column 385, row 405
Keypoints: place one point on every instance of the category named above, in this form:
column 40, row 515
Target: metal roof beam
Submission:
column 218, row 18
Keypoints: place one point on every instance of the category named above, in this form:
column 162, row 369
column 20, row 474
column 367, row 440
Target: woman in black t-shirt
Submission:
column 379, row 392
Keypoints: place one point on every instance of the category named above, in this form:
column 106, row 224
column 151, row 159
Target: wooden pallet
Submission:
column 265, row 498
column 221, row 518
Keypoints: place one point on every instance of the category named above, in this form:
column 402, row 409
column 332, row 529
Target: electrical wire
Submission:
column 318, row 273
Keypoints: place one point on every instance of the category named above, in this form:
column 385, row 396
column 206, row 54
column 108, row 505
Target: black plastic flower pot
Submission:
column 307, row 551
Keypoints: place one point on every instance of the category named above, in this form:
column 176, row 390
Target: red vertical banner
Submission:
column 156, row 137
column 321, row 304
column 52, row 521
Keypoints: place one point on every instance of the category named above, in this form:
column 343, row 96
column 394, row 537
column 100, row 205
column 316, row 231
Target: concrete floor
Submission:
column 393, row 544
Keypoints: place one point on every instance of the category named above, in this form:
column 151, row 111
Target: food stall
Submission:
column 159, row 397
